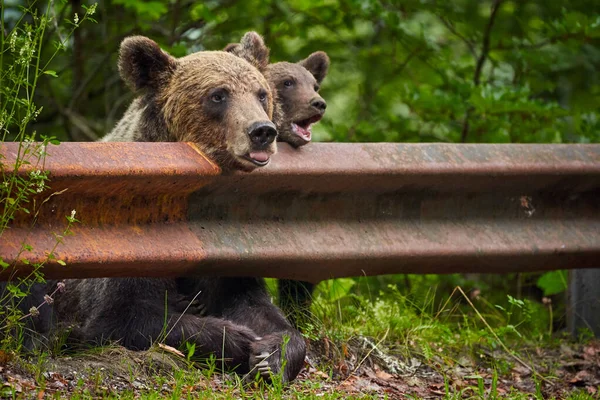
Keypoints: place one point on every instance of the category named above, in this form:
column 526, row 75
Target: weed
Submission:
column 22, row 66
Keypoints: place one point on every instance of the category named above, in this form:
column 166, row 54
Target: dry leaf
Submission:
column 320, row 374
column 5, row 357
column 171, row 350
column 522, row 370
column 383, row 375
column 581, row 377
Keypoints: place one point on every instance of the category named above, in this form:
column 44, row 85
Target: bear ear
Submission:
column 143, row 64
column 233, row 48
column 251, row 48
column 317, row 64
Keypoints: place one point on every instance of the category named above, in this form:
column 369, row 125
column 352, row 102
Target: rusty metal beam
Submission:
column 323, row 211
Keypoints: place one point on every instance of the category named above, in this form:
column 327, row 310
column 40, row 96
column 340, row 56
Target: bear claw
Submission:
column 263, row 367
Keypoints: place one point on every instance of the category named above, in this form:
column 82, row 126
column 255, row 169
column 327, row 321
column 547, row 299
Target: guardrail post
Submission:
column 584, row 301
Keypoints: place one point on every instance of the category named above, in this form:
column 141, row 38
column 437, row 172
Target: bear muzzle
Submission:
column 262, row 135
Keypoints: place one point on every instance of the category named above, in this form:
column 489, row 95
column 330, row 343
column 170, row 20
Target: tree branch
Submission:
column 486, row 42
column 456, row 33
column 485, row 49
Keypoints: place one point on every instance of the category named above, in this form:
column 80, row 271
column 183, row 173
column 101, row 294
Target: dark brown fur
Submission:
column 297, row 99
column 295, row 87
column 238, row 322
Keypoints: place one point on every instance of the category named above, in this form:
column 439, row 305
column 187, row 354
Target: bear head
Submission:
column 298, row 104
column 215, row 99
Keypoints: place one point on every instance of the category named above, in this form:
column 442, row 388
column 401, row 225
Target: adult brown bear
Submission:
column 222, row 103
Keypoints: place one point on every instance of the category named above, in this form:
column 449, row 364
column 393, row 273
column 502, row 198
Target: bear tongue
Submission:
column 260, row 156
column 304, row 133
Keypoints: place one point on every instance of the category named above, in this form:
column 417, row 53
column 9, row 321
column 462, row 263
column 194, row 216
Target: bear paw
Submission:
column 195, row 307
column 265, row 357
column 263, row 367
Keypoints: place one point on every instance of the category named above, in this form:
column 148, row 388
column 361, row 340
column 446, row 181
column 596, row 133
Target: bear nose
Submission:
column 262, row 133
column 319, row 104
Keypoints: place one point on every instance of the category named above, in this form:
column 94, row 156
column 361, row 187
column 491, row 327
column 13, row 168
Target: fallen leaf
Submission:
column 522, row 370
column 345, row 350
column 320, row 374
column 581, row 378
column 349, row 381
column 591, row 389
column 342, row 368
column 383, row 375
column 5, row 357
column 590, row 352
column 171, row 350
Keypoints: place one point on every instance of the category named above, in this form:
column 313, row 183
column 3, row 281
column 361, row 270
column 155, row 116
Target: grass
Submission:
column 369, row 341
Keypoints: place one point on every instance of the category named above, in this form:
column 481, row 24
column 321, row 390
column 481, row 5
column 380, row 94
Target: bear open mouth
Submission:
column 258, row 158
column 303, row 128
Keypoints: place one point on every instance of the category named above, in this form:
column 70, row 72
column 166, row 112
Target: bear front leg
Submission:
column 229, row 342
column 245, row 302
column 141, row 321
column 281, row 352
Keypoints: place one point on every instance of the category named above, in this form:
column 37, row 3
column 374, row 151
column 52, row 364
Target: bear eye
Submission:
column 288, row 83
column 262, row 96
column 317, row 87
column 218, row 95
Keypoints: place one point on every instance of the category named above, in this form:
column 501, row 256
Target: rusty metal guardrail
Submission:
column 324, row 211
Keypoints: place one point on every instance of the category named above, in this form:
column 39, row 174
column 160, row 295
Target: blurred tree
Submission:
column 415, row 71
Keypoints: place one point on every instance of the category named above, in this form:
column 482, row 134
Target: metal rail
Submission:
column 323, row 211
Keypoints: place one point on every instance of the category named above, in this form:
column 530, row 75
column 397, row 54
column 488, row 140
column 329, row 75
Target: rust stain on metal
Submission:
column 322, row 211
column 131, row 200
column 154, row 250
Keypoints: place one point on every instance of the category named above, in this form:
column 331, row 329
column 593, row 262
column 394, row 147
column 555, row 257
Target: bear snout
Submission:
column 319, row 104
column 262, row 134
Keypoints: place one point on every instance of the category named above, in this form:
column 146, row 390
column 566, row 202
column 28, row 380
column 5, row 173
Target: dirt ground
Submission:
column 357, row 368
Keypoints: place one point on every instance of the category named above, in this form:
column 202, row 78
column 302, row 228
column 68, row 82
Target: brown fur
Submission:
column 300, row 103
column 245, row 49
column 295, row 87
column 235, row 320
column 176, row 100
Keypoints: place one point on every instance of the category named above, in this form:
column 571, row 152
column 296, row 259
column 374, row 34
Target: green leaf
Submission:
column 51, row 73
column 339, row 288
column 61, row 262
column 553, row 282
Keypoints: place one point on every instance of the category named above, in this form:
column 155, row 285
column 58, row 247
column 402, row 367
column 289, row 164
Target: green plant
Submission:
column 23, row 64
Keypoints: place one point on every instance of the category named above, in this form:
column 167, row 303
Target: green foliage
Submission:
column 145, row 10
column 416, row 71
column 24, row 35
column 553, row 282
